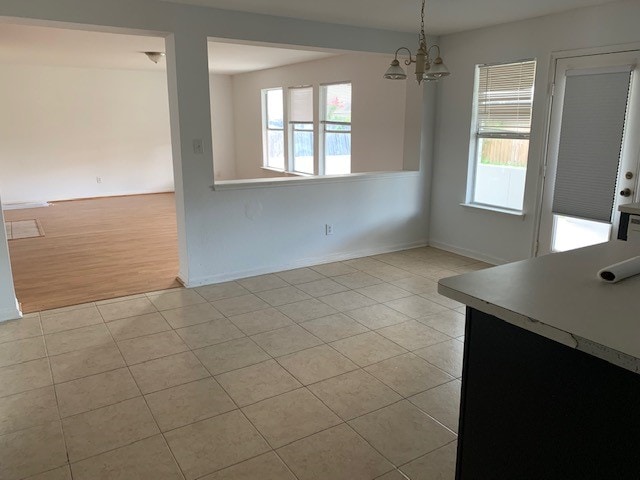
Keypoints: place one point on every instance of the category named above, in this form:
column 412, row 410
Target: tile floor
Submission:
column 342, row 371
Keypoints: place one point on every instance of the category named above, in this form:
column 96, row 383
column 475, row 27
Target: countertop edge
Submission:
column 552, row 333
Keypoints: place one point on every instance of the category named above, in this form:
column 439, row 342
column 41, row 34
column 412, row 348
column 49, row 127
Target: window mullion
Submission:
column 318, row 113
column 286, row 133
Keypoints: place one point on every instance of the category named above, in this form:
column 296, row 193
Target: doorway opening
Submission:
column 85, row 153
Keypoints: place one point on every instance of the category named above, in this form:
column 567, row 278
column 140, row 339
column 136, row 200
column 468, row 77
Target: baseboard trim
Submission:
column 117, row 195
column 7, row 314
column 20, row 206
column 307, row 262
column 467, row 253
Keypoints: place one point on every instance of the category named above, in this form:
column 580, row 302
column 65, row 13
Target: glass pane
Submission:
column 571, row 233
column 275, row 109
column 337, row 153
column 302, row 151
column 332, row 127
column 501, row 172
column 338, row 106
column 275, row 149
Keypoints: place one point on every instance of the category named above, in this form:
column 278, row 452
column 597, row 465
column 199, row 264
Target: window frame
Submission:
column 319, row 128
column 266, row 129
column 476, row 138
column 323, row 124
column 291, row 163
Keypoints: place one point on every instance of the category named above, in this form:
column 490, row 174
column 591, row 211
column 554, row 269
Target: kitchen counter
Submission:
column 551, row 369
column 559, row 297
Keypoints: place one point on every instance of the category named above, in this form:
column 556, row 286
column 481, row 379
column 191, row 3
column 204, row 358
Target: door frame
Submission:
column 553, row 63
column 183, row 267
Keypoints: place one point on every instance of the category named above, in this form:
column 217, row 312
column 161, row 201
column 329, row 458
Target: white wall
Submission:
column 378, row 110
column 223, row 127
column 494, row 236
column 62, row 127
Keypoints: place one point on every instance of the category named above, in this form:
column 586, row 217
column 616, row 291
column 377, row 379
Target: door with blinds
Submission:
column 594, row 147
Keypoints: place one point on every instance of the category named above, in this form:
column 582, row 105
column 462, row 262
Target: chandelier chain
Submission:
column 423, row 37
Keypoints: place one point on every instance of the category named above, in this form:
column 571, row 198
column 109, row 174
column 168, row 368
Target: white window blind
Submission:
column 505, row 99
column 301, row 105
column 592, row 129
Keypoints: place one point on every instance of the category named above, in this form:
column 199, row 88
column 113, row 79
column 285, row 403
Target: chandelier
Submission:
column 427, row 68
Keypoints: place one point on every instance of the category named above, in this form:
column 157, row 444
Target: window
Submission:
column 301, row 129
column 336, row 129
column 502, row 125
column 273, row 111
column 294, row 150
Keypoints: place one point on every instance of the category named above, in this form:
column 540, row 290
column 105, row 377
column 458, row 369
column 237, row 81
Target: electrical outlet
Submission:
column 98, row 179
column 198, row 147
column 328, row 229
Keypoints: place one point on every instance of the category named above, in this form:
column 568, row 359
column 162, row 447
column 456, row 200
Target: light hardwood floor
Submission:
column 95, row 249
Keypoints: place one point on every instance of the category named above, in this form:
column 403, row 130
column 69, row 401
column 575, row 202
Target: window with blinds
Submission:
column 502, row 124
column 307, row 131
column 301, row 129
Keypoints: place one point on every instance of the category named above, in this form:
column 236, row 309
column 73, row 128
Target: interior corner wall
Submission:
column 8, row 304
column 222, row 126
column 378, row 112
column 487, row 235
column 62, row 127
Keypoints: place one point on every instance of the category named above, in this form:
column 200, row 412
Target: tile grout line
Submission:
column 55, row 393
column 424, row 455
column 402, row 399
column 343, row 422
column 226, row 341
column 363, row 368
column 238, row 408
column 192, row 350
column 147, row 405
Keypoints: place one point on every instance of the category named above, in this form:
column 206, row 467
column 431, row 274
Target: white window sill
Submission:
column 307, row 180
column 285, row 172
column 490, row 208
column 271, row 169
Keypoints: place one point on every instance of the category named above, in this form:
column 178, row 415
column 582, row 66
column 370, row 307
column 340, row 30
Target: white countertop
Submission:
column 632, row 208
column 560, row 297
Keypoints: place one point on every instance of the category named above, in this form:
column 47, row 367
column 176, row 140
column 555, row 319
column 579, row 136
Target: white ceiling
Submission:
column 22, row 44
column 232, row 58
column 32, row 45
column 443, row 16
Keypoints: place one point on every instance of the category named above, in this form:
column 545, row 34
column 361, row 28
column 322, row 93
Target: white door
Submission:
column 592, row 163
